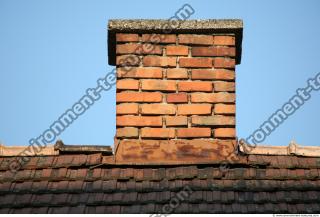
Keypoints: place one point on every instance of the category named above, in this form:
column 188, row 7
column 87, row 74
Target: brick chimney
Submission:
column 175, row 90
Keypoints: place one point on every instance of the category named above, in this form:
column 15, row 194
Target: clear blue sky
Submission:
column 52, row 51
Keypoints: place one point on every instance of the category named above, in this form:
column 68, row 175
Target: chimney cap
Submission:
column 209, row 26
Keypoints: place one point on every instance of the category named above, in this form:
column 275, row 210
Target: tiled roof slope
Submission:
column 88, row 183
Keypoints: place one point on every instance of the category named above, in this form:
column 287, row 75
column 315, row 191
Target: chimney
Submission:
column 175, row 99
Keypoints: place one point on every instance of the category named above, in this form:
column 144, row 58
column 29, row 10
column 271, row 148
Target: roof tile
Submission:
column 24, row 175
column 138, row 174
column 126, row 173
column 170, row 173
column 115, row 173
column 45, row 161
column 81, row 174
column 62, row 173
column 109, row 185
column 94, row 159
column 32, row 163
column 63, row 161
column 79, row 160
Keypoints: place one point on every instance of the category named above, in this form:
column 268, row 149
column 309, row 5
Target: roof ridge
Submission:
column 59, row 148
column 292, row 149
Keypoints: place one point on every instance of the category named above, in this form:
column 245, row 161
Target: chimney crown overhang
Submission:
column 209, row 26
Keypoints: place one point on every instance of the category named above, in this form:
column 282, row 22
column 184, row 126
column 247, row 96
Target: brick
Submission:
column 148, row 48
column 194, row 109
column 123, row 37
column 216, row 74
column 128, row 60
column 139, row 121
column 150, row 72
column 193, row 132
column 213, row 51
column 177, row 98
column 138, row 97
column 216, row 120
column 224, row 40
column 138, row 49
column 158, row 85
column 159, row 61
column 158, row 133
column 158, row 109
column 213, row 97
column 177, row 50
column 224, row 86
column 224, row 62
column 177, row 73
column 127, row 84
column 195, row 62
column 224, row 133
column 176, row 121
column 224, row 109
column 128, row 49
column 195, row 86
column 128, row 132
column 195, row 39
column 127, row 108
column 159, row 38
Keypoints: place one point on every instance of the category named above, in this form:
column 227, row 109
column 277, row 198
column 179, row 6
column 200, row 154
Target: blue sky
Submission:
column 52, row 51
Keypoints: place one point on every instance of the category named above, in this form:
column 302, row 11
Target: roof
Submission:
column 292, row 149
column 93, row 183
column 58, row 148
column 209, row 26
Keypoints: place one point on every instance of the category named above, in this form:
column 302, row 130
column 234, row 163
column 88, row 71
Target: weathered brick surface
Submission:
column 128, row 132
column 159, row 61
column 224, row 63
column 216, row 120
column 174, row 87
column 194, row 62
column 190, row 86
column 177, row 98
column 224, row 40
column 158, row 85
column 128, row 84
column 224, row 109
column 159, row 38
column 177, row 50
column 195, row 39
column 139, row 49
column 128, row 60
column 138, row 97
column 127, row 108
column 213, row 51
column 177, row 73
column 222, row 86
column 124, row 37
column 128, row 120
column 176, row 121
column 193, row 132
column 158, row 133
column 158, row 109
column 224, row 133
column 194, row 109
column 209, row 74
column 135, row 72
column 212, row 97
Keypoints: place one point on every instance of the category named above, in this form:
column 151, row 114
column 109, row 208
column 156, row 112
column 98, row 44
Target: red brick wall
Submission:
column 175, row 86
